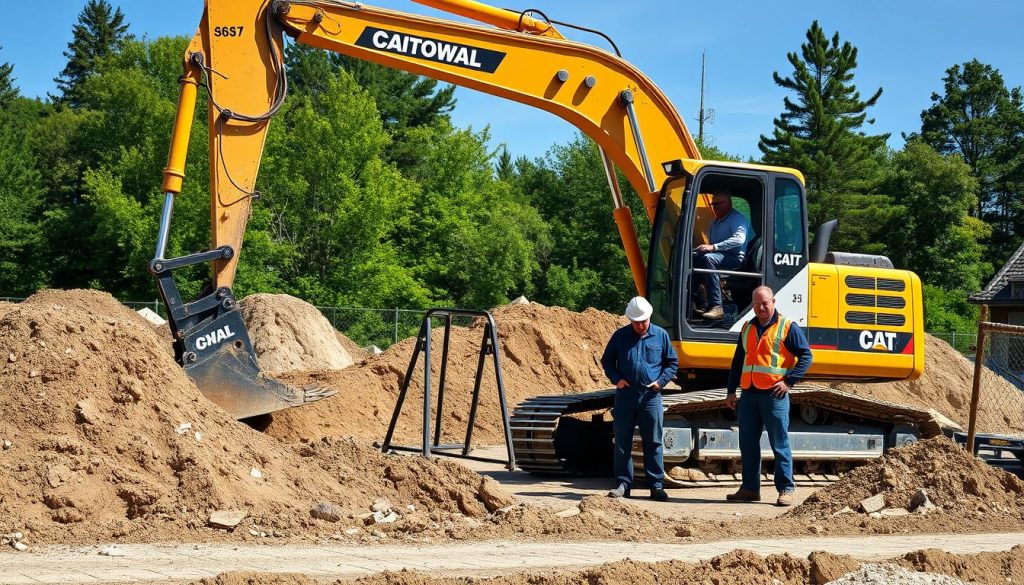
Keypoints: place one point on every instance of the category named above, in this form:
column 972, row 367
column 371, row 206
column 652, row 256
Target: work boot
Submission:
column 743, row 495
column 785, row 498
column 715, row 312
column 659, row 495
column 620, row 492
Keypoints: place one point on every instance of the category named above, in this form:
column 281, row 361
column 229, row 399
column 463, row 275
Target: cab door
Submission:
column 785, row 252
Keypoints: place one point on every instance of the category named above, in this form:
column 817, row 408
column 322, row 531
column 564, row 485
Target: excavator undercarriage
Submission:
column 830, row 431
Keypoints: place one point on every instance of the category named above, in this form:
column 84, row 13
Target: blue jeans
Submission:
column 715, row 261
column 758, row 410
column 638, row 407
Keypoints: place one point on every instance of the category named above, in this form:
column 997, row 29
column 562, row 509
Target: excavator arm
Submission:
column 236, row 56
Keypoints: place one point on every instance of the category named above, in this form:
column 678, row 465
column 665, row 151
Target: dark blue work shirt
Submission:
column 640, row 360
column 795, row 342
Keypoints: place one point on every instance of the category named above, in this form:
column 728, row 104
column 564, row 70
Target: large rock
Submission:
column 493, row 495
column 227, row 519
column 875, row 503
column 326, row 511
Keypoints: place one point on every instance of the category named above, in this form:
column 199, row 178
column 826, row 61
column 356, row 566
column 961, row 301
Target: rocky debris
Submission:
column 381, row 505
column 920, row 502
column 326, row 511
column 873, row 504
column 151, row 317
column 893, row 512
column 887, row 574
column 493, row 495
column 568, row 512
column 7, row 445
column 937, row 470
column 14, row 540
column 86, row 413
column 111, row 551
column 290, row 334
column 227, row 519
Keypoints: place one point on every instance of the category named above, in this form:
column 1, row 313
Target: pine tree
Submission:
column 7, row 89
column 504, row 168
column 99, row 33
column 820, row 134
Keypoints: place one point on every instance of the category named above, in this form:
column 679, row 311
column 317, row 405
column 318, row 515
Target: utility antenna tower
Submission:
column 704, row 116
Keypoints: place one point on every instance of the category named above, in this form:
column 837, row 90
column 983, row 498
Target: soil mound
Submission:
column 544, row 350
column 290, row 334
column 988, row 567
column 958, row 483
column 946, row 387
column 110, row 440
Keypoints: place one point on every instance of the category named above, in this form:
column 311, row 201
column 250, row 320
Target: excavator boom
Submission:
column 236, row 56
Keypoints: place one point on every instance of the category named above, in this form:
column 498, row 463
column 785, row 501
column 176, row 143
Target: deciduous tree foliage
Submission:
column 979, row 119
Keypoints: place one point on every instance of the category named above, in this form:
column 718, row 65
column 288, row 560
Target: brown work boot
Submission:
column 714, row 313
column 785, row 499
column 743, row 495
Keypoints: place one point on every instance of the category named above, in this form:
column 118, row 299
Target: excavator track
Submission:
column 550, row 436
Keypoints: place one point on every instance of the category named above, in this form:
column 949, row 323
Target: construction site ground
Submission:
column 187, row 562
column 115, row 468
column 560, row 493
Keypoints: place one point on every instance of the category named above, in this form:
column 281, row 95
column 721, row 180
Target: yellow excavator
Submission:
column 863, row 318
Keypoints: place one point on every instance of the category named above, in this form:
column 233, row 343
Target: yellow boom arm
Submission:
column 237, row 51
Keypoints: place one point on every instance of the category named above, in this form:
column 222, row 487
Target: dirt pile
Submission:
column 109, row 439
column 544, row 350
column 926, row 566
column 946, row 387
column 290, row 334
column 995, row 568
column 740, row 567
column 958, row 484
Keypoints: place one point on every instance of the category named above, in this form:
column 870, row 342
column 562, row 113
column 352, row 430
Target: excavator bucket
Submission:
column 219, row 358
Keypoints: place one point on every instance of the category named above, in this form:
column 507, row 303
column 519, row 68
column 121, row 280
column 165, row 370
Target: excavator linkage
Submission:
column 213, row 346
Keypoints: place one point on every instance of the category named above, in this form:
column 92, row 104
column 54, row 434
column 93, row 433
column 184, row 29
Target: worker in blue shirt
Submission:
column 772, row 355
column 730, row 234
column 639, row 360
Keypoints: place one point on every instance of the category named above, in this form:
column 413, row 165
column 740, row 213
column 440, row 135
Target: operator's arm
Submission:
column 796, row 343
column 669, row 361
column 735, row 232
column 609, row 360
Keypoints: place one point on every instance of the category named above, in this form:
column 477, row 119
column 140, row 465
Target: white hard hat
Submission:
column 639, row 309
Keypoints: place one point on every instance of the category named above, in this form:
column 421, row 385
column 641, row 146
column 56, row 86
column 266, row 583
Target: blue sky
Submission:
column 904, row 47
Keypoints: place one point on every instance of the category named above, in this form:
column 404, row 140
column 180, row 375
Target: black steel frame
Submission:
column 488, row 346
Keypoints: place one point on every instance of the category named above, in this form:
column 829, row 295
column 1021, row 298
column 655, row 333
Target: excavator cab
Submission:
column 773, row 203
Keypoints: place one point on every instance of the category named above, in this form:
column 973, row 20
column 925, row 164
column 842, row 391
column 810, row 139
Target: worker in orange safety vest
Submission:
column 771, row 356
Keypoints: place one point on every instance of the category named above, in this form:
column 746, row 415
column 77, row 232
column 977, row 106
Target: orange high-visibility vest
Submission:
column 767, row 360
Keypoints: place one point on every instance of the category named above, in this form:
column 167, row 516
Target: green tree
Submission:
column 405, row 102
column 333, row 203
column 8, row 91
column 99, row 33
column 979, row 119
column 935, row 235
column 586, row 265
column 474, row 240
column 820, row 133
column 21, row 191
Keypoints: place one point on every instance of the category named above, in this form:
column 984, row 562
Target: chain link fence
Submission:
column 997, row 400
column 965, row 343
